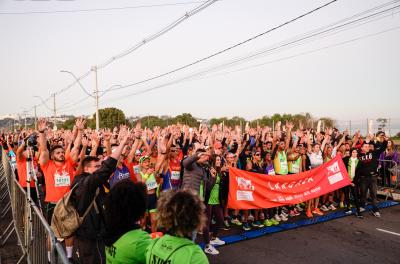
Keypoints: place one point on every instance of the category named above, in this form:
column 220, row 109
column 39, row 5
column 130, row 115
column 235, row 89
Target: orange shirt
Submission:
column 58, row 179
column 21, row 168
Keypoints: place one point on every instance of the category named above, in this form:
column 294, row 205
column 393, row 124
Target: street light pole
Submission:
column 96, row 95
column 55, row 112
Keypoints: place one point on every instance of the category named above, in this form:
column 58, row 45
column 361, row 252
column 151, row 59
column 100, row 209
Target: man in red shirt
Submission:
column 58, row 170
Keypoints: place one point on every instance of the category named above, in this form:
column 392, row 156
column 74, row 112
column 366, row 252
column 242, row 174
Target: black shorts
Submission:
column 151, row 203
column 49, row 211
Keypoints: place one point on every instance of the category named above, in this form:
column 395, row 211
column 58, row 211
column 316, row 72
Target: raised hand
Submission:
column 80, row 123
column 42, row 124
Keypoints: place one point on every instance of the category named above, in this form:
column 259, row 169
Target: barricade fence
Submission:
column 389, row 173
column 34, row 234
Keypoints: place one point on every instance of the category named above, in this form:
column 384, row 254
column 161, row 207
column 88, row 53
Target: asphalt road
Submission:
column 344, row 240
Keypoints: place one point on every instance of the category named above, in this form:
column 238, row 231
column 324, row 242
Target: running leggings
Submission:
column 216, row 211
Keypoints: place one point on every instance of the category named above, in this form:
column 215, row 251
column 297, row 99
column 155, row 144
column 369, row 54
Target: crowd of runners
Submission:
column 131, row 182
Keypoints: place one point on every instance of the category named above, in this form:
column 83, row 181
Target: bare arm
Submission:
column 44, row 152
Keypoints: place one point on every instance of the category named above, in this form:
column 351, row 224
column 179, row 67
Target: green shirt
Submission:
column 188, row 252
column 214, row 195
column 129, row 248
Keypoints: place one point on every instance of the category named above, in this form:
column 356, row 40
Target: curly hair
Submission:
column 180, row 212
column 124, row 206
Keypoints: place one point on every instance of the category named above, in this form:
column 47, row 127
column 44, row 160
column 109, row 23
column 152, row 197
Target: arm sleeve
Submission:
column 188, row 162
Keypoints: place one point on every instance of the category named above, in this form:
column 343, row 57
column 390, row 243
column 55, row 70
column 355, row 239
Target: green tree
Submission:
column 185, row 119
column 109, row 118
column 68, row 124
column 152, row 121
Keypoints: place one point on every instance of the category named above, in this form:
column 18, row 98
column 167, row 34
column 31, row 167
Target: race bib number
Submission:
column 175, row 175
column 136, row 169
column 295, row 168
column 284, row 166
column 271, row 172
column 62, row 180
column 151, row 184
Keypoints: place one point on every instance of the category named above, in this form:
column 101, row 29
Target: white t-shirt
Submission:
column 315, row 159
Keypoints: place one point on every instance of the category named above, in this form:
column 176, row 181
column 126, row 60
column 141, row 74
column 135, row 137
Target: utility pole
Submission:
column 25, row 120
column 55, row 112
column 389, row 128
column 35, row 118
column 96, row 96
column 350, row 127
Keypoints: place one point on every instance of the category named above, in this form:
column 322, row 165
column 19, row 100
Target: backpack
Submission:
column 66, row 220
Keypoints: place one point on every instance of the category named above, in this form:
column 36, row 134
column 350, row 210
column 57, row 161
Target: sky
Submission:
column 350, row 75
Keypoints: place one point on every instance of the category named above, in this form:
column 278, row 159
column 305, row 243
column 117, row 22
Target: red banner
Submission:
column 249, row 190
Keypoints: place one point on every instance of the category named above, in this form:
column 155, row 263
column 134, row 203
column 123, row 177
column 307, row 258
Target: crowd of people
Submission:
column 173, row 182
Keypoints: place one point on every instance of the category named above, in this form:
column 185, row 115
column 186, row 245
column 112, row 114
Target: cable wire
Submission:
column 99, row 9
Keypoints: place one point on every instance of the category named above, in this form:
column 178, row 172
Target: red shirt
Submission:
column 58, row 179
column 21, row 168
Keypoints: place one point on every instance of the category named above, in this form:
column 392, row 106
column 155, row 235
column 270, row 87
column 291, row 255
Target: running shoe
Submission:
column 309, row 214
column 324, row 208
column 283, row 218
column 274, row 222
column 359, row 215
column 341, row 205
column 251, row 218
column 210, row 249
column 236, row 222
column 277, row 218
column 256, row 224
column 246, row 227
column 284, row 214
column 217, row 242
column 299, row 208
column 227, row 226
column 348, row 211
column 292, row 214
column 317, row 212
column 332, row 207
column 268, row 222
column 362, row 209
column 376, row 214
column 296, row 213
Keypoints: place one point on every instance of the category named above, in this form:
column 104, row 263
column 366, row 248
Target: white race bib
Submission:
column 175, row 175
column 151, row 184
column 271, row 172
column 62, row 180
column 136, row 169
column 295, row 167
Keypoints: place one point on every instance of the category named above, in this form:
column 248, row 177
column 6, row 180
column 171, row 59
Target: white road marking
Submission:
column 389, row 232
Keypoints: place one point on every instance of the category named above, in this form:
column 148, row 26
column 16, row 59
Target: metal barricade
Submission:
column 34, row 234
column 389, row 179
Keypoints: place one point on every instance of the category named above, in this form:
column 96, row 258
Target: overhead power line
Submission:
column 99, row 9
column 228, row 48
column 279, row 46
column 148, row 39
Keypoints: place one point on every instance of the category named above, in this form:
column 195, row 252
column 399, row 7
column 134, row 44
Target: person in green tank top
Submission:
column 180, row 213
column 125, row 241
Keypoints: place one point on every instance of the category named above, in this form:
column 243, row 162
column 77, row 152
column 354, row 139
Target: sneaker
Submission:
column 348, row 211
column 341, row 205
column 317, row 212
column 210, row 249
column 299, row 208
column 268, row 222
column 284, row 209
column 284, row 214
column 283, row 218
column 291, row 213
column 236, row 222
column 376, row 214
column 250, row 218
column 256, row 224
column 227, row 226
column 296, row 213
column 362, row 209
column 274, row 222
column 246, row 227
column 332, row 207
column 324, row 208
column 360, row 216
column 217, row 242
column 309, row 214
column 277, row 218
